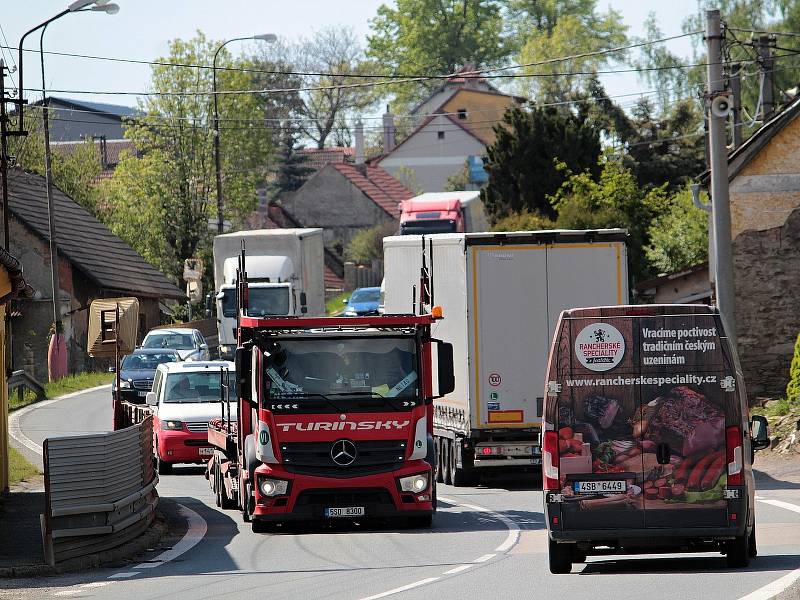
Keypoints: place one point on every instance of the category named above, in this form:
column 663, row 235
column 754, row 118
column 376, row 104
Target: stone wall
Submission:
column 767, row 277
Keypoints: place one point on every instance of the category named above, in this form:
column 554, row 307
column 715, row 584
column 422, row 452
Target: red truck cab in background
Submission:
column 335, row 419
column 431, row 216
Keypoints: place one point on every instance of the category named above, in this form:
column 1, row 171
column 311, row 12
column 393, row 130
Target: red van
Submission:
column 647, row 441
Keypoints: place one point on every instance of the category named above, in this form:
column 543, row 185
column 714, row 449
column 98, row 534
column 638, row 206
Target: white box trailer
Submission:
column 285, row 269
column 501, row 294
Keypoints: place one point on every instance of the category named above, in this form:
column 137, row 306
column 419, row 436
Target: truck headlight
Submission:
column 273, row 487
column 125, row 385
column 414, row 483
column 172, row 425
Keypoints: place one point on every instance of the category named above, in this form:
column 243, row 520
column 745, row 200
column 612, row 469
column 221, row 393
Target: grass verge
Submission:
column 53, row 389
column 19, row 469
column 336, row 304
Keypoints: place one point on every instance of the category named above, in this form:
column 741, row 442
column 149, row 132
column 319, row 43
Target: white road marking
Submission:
column 513, row 529
column 122, row 575
column 68, row 593
column 96, row 584
column 779, row 585
column 404, row 588
column 458, row 569
column 484, row 558
column 196, row 532
column 780, row 504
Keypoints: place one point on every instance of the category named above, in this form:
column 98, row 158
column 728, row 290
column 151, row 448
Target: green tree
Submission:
column 678, row 236
column 435, row 37
column 793, row 387
column 543, row 30
column 524, row 221
column 290, row 171
column 74, row 172
column 522, row 162
column 615, row 199
column 169, row 194
column 367, row 245
column 458, row 180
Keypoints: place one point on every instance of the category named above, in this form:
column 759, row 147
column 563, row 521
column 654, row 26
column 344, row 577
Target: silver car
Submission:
column 189, row 343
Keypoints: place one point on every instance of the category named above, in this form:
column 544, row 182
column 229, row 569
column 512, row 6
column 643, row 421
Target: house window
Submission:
column 440, row 134
column 462, row 114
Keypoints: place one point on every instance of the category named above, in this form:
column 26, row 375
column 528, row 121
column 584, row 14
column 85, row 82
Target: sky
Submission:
column 143, row 28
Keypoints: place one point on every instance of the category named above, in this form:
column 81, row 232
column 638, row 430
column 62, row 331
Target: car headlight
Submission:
column 125, row 385
column 414, row 483
column 172, row 425
column 273, row 487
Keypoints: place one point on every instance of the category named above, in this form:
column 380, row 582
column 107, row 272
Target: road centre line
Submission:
column 484, row 558
column 196, row 532
column 457, row 569
column 404, row 588
column 122, row 575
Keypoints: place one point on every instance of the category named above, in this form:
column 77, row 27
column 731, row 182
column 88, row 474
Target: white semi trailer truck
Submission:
column 285, row 274
column 501, row 294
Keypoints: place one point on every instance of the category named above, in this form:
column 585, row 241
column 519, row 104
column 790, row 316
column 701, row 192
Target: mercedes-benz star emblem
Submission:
column 343, row 453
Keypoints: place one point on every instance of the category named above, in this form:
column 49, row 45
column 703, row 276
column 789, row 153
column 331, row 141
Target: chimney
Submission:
column 388, row 131
column 359, row 142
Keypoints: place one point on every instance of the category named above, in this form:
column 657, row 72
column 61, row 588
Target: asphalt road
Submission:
column 487, row 542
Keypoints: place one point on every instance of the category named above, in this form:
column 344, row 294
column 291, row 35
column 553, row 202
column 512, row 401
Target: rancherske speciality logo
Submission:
column 600, row 347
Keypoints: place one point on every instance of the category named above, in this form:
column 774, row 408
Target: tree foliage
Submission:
column 367, row 245
column 524, row 221
column 161, row 203
column 543, row 30
column 435, row 37
column 678, row 236
column 291, row 170
column 460, row 180
column 614, row 199
column 522, row 162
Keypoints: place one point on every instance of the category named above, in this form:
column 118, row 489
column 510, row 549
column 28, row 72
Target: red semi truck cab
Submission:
column 422, row 217
column 335, row 420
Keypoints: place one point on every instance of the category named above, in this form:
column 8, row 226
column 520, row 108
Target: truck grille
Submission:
column 143, row 384
column 314, row 458
column 198, row 427
column 345, row 497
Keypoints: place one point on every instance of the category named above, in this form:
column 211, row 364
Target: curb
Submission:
column 148, row 539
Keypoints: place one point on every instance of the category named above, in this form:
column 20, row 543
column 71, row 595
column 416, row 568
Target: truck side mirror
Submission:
column 243, row 359
column 151, row 399
column 303, row 302
column 447, row 378
column 759, row 432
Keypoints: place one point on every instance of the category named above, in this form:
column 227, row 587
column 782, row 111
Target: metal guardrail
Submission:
column 100, row 491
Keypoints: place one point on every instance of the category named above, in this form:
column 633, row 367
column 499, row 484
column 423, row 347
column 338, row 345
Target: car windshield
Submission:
column 263, row 302
column 177, row 341
column 366, row 295
column 147, row 362
column 199, row 386
column 427, row 226
column 343, row 366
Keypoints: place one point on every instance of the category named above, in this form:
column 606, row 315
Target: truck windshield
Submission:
column 343, row 366
column 427, row 226
column 263, row 301
column 202, row 386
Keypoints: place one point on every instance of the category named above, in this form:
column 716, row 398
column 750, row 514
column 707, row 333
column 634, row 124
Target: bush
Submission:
column 793, row 387
column 367, row 245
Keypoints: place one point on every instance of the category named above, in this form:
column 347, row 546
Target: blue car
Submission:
column 363, row 301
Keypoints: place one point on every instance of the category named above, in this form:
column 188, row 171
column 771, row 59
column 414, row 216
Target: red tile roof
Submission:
column 319, row 157
column 378, row 185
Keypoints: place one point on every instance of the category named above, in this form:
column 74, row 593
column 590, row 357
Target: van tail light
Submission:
column 550, row 461
column 734, row 455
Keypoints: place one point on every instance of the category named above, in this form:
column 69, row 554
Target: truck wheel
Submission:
column 248, row 494
column 461, row 477
column 560, row 556
column 447, row 462
column 217, row 487
column 439, row 452
column 738, row 552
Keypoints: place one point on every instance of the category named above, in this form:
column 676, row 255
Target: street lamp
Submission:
column 77, row 6
column 264, row 37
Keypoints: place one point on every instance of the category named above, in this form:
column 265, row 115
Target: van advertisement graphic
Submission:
column 641, row 414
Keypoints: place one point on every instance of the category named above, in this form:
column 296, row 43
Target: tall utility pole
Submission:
column 720, row 199
column 766, row 63
column 736, row 107
column 4, row 154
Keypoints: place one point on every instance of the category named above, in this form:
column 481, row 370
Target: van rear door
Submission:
column 595, row 404
column 688, row 396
